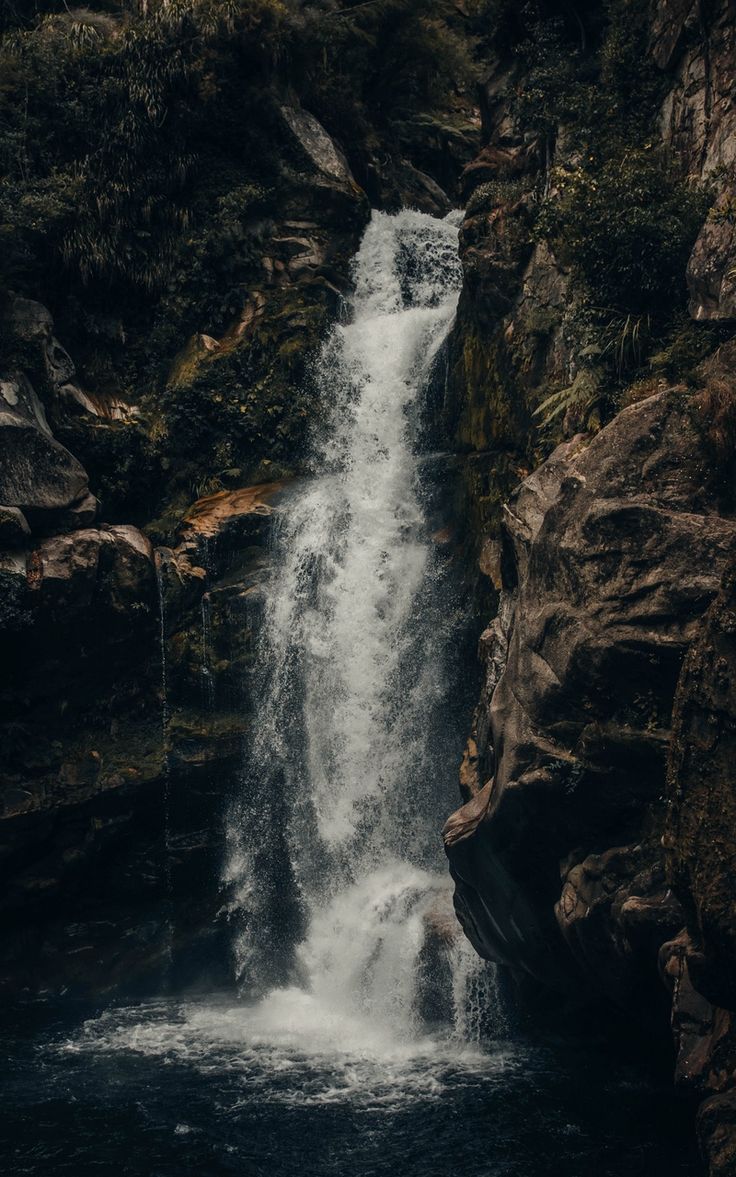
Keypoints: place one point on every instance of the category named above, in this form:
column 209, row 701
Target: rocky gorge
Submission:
column 586, row 415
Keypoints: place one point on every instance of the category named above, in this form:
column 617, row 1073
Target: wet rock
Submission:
column 182, row 583
column 226, row 518
column 420, row 191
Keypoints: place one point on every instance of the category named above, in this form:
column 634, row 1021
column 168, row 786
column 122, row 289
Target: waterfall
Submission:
column 334, row 870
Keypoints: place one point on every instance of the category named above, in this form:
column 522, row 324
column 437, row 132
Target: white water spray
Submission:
column 350, row 732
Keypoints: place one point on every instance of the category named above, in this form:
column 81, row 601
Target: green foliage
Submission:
column 109, row 126
column 683, row 348
column 556, row 85
column 247, row 403
column 143, row 160
column 494, row 194
column 379, row 61
column 103, row 130
column 123, row 468
column 627, row 227
column 579, row 399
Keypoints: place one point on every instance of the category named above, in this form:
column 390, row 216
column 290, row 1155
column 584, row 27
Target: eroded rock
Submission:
column 607, row 599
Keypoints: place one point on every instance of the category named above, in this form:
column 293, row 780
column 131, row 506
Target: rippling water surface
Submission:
column 203, row 1089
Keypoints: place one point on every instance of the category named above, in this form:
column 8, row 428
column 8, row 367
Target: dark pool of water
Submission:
column 170, row 1090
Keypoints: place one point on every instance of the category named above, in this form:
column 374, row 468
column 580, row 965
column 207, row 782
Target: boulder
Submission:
column 111, row 567
column 32, row 322
column 37, row 474
column 317, row 148
column 14, row 529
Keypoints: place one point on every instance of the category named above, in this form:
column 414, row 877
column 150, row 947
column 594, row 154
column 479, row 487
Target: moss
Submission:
column 491, row 416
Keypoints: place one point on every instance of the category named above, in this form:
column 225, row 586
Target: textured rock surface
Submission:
column 579, row 856
column 37, row 474
column 606, row 598
column 711, row 271
column 701, row 856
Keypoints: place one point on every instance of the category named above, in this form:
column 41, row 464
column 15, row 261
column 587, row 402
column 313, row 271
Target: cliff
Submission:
column 592, row 852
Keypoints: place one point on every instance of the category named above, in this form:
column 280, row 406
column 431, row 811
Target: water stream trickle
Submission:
column 352, row 767
column 168, row 947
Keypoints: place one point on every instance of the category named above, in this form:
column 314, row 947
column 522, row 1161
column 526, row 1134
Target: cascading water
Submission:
column 351, row 731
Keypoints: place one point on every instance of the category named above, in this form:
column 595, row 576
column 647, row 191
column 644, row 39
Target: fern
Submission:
column 579, row 397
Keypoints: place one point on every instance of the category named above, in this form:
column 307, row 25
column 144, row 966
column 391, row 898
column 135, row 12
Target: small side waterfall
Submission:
column 166, row 772
column 334, row 843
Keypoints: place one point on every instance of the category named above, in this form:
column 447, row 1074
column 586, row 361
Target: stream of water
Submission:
column 354, row 761
column 367, row 1038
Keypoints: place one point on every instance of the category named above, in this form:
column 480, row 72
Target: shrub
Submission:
column 627, row 227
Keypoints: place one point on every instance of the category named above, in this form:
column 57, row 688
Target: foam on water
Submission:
column 268, row 1047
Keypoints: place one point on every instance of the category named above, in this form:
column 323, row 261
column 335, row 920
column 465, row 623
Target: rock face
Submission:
column 125, row 696
column 594, row 851
column 701, row 802
column 711, row 271
column 605, row 601
column 37, row 474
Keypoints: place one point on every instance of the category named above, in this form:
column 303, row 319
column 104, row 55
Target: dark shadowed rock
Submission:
column 701, row 852
column 669, row 22
column 696, row 44
column 78, row 569
column 14, row 529
column 318, row 149
column 37, row 474
column 33, row 323
column 717, row 1133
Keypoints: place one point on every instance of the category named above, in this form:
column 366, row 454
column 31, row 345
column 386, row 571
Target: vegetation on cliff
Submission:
column 579, row 170
column 145, row 168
